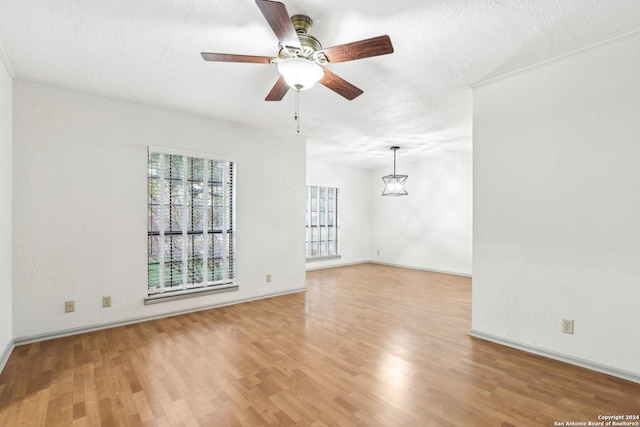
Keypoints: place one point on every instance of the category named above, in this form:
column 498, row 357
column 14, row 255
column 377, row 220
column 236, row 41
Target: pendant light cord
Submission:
column 394, row 160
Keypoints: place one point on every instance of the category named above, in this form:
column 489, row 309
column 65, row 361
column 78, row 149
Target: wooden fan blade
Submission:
column 340, row 85
column 228, row 57
column 278, row 91
column 358, row 50
column 278, row 18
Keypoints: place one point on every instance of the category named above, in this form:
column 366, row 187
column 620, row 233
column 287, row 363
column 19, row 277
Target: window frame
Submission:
column 224, row 190
column 326, row 219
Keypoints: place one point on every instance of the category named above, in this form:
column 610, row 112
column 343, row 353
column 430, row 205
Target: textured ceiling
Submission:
column 148, row 51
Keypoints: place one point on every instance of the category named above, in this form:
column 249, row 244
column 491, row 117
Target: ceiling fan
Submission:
column 301, row 58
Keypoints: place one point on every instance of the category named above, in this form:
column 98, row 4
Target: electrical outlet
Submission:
column 69, row 306
column 567, row 326
column 268, row 278
column 106, row 301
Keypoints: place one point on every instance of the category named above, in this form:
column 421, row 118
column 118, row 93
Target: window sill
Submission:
column 323, row 258
column 189, row 293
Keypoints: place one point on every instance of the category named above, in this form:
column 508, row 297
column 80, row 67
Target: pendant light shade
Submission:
column 300, row 73
column 394, row 184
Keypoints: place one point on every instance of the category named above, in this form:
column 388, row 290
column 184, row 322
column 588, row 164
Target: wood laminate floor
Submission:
column 366, row 345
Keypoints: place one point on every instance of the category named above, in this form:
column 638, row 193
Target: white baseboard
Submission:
column 609, row 370
column 420, row 268
column 388, row 264
column 6, row 354
column 346, row 264
column 90, row 328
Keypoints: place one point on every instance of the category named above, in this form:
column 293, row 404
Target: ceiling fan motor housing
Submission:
column 309, row 43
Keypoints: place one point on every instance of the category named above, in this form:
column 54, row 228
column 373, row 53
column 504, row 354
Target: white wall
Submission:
column 557, row 206
column 6, row 106
column 80, row 206
column 431, row 227
column 353, row 209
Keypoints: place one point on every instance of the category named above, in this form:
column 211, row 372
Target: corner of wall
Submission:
column 6, row 208
column 6, row 62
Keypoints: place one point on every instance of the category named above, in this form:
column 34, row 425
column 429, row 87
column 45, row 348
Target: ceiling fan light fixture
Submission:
column 300, row 73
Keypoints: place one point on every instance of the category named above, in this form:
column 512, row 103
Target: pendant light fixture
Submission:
column 394, row 184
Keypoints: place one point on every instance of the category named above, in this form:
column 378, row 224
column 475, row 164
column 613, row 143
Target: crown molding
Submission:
column 6, row 62
column 555, row 60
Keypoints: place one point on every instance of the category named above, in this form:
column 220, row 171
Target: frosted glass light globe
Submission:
column 300, row 73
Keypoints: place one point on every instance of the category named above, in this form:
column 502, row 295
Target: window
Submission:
column 322, row 223
column 191, row 225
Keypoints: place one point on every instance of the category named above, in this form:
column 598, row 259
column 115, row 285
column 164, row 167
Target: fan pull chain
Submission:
column 296, row 115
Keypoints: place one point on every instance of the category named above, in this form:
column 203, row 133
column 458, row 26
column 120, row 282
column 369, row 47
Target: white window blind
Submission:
column 191, row 224
column 322, row 222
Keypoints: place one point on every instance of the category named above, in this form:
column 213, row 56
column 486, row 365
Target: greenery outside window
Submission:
column 191, row 224
column 321, row 240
